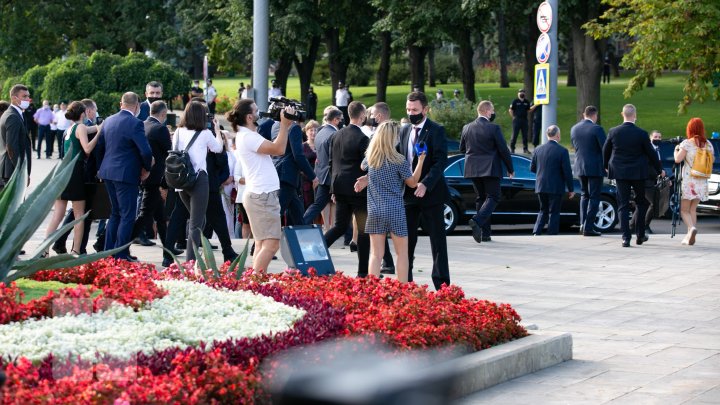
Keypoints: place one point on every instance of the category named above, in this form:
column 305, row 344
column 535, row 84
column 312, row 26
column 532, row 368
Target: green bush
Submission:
column 224, row 104
column 453, row 115
column 66, row 83
column 399, row 73
column 321, row 73
column 490, row 73
column 359, row 75
column 99, row 66
column 107, row 103
column 34, row 78
column 7, row 85
column 447, row 69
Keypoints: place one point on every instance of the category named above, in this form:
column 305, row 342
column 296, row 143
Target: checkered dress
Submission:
column 386, row 211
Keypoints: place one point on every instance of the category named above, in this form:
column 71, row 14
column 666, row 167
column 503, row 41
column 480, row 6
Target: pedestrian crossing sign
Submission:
column 542, row 83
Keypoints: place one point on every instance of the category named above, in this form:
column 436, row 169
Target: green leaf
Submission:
column 45, row 245
column 239, row 261
column 12, row 195
column 199, row 262
column 209, row 256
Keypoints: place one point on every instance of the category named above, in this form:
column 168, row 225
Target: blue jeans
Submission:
column 322, row 198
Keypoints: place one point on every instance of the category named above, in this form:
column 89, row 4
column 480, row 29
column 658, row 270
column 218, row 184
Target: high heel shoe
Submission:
column 72, row 252
column 693, row 232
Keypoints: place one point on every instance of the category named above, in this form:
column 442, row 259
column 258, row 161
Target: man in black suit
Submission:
column 348, row 151
column 323, row 144
column 289, row 166
column 651, row 191
column 626, row 153
column 588, row 139
column 551, row 162
column 153, row 92
column 485, row 154
column 158, row 137
column 15, row 144
column 428, row 199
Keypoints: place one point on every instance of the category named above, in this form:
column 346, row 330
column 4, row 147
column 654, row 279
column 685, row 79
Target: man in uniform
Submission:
column 519, row 113
column 312, row 100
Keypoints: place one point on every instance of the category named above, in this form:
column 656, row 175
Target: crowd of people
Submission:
column 359, row 173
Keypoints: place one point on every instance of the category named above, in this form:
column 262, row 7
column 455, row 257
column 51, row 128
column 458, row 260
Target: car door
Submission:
column 454, row 175
column 518, row 202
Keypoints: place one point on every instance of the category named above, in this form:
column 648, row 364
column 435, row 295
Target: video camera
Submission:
column 676, row 140
column 279, row 103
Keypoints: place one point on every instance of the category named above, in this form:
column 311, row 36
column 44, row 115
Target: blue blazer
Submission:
column 627, row 153
column 588, row 139
column 551, row 162
column 323, row 146
column 290, row 164
column 144, row 111
column 123, row 149
column 485, row 149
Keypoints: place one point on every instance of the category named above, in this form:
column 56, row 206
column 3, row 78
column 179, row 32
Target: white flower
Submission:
column 189, row 314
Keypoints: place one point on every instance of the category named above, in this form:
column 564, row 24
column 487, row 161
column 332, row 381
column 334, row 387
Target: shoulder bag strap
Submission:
column 192, row 141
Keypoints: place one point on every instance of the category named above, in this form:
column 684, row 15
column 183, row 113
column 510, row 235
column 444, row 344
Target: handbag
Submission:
column 98, row 201
column 702, row 164
column 179, row 171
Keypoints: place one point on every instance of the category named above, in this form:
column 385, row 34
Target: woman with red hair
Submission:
column 694, row 189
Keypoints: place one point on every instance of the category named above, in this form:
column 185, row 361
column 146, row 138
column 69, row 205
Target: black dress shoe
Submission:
column 486, row 239
column 144, row 241
column 476, row 231
column 181, row 245
column 353, row 247
column 167, row 262
column 641, row 239
column 591, row 233
column 626, row 243
column 582, row 229
column 132, row 259
column 59, row 249
column 387, row 270
column 176, row 251
column 22, row 252
column 230, row 258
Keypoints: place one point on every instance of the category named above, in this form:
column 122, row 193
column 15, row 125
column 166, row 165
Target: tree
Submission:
column 681, row 34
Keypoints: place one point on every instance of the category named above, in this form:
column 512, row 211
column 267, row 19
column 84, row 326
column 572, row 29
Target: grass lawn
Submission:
column 657, row 107
column 37, row 289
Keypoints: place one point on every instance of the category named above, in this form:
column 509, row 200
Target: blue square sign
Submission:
column 542, row 83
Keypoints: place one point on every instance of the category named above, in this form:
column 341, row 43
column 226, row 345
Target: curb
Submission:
column 499, row 364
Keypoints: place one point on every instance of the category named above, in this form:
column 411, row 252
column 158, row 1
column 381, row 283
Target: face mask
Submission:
column 656, row 142
column 153, row 99
column 416, row 118
column 24, row 104
column 522, row 96
column 492, row 117
column 372, row 123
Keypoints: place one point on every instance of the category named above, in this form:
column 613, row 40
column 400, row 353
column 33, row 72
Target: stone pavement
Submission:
column 645, row 320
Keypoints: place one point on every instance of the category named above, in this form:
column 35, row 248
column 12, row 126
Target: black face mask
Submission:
column 416, row 118
column 372, row 123
column 153, row 99
column 656, row 142
column 492, row 117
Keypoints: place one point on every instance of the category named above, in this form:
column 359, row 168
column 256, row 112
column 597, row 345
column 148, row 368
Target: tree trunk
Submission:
column 381, row 78
column 417, row 66
column 431, row 66
column 529, row 62
column 650, row 81
column 588, row 66
column 282, row 71
column 466, row 65
column 306, row 66
column 571, row 79
column 338, row 69
column 502, row 46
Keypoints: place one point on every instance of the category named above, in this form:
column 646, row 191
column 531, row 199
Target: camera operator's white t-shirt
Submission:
column 258, row 168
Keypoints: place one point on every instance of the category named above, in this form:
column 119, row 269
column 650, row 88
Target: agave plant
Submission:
column 20, row 217
column 207, row 260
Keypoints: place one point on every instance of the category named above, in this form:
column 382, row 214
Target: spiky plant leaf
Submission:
column 199, row 262
column 45, row 245
column 209, row 256
column 239, row 261
column 176, row 260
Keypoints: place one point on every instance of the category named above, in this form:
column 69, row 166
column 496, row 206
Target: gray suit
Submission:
column 588, row 139
column 14, row 144
column 323, row 146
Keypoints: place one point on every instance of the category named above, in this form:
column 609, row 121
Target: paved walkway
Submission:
column 645, row 320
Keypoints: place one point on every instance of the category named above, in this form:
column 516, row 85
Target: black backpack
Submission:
column 179, row 171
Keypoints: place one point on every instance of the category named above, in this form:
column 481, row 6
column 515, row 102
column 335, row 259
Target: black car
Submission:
column 711, row 206
column 518, row 202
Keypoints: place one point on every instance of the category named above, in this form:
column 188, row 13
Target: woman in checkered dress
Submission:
column 388, row 173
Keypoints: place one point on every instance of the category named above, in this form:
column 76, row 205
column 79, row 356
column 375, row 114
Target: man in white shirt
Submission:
column 275, row 90
column 342, row 99
column 61, row 124
column 262, row 185
column 210, row 96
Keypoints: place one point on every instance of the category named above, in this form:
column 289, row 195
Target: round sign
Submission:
column 542, row 49
column 544, row 16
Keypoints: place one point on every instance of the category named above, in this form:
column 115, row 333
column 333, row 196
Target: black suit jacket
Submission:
column 588, row 139
column 348, row 151
column 14, row 143
column 218, row 170
column 627, row 153
column 485, row 149
column 323, row 145
column 551, row 162
column 433, row 171
column 293, row 161
column 159, row 139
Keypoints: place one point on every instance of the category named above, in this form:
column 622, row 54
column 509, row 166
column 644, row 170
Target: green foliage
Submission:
column 66, row 83
column 224, row 103
column 38, row 289
column 399, row 73
column 490, row 73
column 680, row 34
column 7, row 85
column 447, row 69
column 34, row 78
column 20, row 217
column 453, row 115
column 321, row 73
column 359, row 75
column 132, row 74
column 99, row 64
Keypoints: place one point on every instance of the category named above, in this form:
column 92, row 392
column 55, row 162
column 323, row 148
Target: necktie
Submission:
column 417, row 135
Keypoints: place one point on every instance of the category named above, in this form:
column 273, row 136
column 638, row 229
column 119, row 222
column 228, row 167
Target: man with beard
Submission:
column 153, row 92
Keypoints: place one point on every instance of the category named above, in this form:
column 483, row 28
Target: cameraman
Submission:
column 262, row 189
column 288, row 166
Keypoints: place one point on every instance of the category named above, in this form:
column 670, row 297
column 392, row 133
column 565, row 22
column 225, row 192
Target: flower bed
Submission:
column 224, row 366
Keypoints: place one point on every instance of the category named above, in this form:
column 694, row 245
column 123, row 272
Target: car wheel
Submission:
column 450, row 216
column 607, row 216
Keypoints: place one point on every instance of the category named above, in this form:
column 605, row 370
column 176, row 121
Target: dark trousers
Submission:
column 46, row 134
column 150, row 203
column 641, row 206
column 487, row 190
column 590, row 187
column 650, row 191
column 519, row 125
column 536, row 133
column 123, row 200
column 345, row 208
column 433, row 219
column 215, row 217
column 291, row 207
column 322, row 198
column 346, row 117
column 62, row 240
column 549, row 213
column 196, row 202
column 177, row 223
column 60, row 145
column 211, row 107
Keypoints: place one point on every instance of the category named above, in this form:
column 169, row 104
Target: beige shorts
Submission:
column 263, row 211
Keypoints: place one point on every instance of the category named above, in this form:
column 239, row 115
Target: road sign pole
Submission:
column 261, row 26
column 549, row 111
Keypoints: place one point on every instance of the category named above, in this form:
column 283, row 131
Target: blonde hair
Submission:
column 382, row 145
